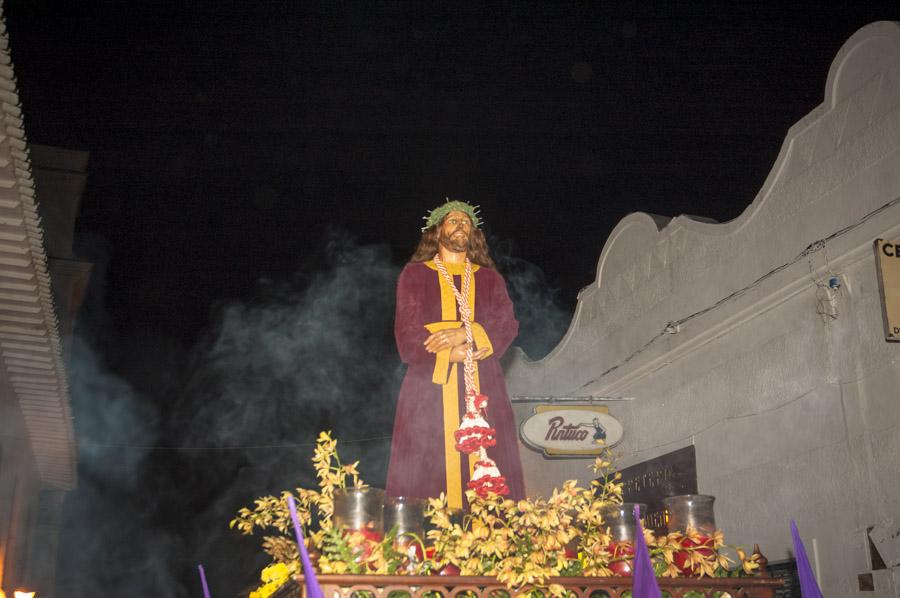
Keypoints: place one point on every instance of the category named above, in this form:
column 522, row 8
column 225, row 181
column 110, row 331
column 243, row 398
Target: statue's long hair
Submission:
column 478, row 250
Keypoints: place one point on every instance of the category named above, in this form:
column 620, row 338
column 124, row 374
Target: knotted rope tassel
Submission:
column 474, row 432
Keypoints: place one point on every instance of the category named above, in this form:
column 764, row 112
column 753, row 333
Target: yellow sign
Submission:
column 887, row 258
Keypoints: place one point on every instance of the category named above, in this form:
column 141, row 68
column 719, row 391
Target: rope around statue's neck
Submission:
column 474, row 431
column 465, row 314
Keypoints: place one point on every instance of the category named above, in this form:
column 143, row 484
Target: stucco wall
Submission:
column 787, row 389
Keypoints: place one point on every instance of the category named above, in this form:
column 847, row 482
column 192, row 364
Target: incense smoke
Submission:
column 237, row 416
column 310, row 353
column 112, row 541
column 542, row 320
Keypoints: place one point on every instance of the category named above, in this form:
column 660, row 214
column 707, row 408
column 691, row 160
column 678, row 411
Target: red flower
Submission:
column 682, row 558
column 622, row 556
column 469, row 440
column 488, row 483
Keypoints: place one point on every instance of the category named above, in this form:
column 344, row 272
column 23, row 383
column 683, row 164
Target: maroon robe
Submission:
column 418, row 467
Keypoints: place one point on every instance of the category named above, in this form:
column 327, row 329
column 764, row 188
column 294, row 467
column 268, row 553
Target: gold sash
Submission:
column 445, row 375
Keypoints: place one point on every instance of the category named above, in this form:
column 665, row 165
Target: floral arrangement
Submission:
column 272, row 511
column 521, row 543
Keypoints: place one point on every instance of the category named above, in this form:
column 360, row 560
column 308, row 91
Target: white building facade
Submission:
column 761, row 341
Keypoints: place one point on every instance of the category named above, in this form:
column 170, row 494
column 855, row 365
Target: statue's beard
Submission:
column 455, row 243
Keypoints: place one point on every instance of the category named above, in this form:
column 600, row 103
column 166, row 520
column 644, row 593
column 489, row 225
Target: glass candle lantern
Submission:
column 622, row 529
column 690, row 510
column 407, row 515
column 360, row 509
column 620, row 520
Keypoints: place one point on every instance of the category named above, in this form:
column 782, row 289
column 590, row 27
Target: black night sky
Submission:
column 251, row 162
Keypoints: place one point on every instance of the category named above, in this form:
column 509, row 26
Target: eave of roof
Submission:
column 30, row 349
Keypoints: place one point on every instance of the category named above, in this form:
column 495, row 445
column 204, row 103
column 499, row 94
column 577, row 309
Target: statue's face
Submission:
column 454, row 232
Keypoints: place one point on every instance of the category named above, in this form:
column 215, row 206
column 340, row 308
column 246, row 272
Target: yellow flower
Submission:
column 718, row 538
column 265, row 591
column 275, row 573
column 749, row 566
column 671, row 570
column 480, row 530
column 723, row 561
column 519, row 542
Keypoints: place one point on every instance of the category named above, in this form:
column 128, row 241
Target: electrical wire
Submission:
column 670, row 328
column 673, row 326
column 140, row 447
column 228, row 448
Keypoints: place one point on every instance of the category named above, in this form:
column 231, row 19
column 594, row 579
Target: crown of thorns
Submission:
column 436, row 215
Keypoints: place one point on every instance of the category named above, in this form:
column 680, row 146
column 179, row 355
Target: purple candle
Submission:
column 809, row 588
column 313, row 589
column 645, row 585
column 203, row 581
